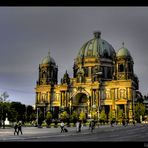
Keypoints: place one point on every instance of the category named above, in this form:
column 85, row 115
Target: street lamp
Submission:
column 88, row 103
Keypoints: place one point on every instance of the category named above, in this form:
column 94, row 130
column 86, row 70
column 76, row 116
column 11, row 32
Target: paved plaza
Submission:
column 101, row 133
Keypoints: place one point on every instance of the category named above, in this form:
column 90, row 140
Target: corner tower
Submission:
column 48, row 73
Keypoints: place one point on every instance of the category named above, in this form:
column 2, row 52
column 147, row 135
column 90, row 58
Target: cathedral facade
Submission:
column 102, row 79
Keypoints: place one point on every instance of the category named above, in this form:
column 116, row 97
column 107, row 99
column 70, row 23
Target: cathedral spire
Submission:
column 123, row 44
column 49, row 53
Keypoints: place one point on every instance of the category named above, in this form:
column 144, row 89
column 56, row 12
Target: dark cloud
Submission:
column 27, row 33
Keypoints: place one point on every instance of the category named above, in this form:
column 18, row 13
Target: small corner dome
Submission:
column 123, row 52
column 47, row 60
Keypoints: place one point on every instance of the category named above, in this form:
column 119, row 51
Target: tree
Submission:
column 3, row 105
column 29, row 113
column 12, row 115
column 139, row 111
column 40, row 118
column 74, row 117
column 94, row 115
column 120, row 115
column 64, row 116
column 48, row 118
column 82, row 116
column 103, row 116
column 20, row 109
column 111, row 116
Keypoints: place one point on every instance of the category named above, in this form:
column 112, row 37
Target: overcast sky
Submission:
column 27, row 33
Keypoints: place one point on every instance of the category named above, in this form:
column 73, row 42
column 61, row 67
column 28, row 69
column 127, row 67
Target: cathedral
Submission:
column 102, row 79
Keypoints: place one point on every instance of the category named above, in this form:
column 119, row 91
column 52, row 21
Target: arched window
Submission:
column 43, row 74
column 122, row 93
column 107, row 94
column 121, row 68
column 105, row 54
column 89, row 52
column 129, row 67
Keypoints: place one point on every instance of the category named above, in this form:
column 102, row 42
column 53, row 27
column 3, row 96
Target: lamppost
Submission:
column 88, row 103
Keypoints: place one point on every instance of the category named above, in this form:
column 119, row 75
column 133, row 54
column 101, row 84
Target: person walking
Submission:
column 134, row 122
column 92, row 126
column 20, row 128
column 80, row 125
column 62, row 126
column 77, row 126
column 111, row 123
column 16, row 128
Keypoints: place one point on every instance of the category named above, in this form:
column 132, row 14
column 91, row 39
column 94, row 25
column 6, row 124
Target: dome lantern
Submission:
column 97, row 34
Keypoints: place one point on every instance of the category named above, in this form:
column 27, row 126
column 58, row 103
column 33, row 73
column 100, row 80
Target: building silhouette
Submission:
column 103, row 79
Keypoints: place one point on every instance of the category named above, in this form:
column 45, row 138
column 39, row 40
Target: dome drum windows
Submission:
column 122, row 93
column 105, row 54
column 89, row 52
column 121, row 67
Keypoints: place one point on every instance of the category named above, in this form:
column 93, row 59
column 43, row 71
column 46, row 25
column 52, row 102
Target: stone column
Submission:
column 97, row 98
column 115, row 110
column 130, row 113
column 89, row 71
column 61, row 99
column 37, row 98
column 125, row 110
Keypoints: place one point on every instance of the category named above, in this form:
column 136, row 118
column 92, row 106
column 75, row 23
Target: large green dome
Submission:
column 97, row 47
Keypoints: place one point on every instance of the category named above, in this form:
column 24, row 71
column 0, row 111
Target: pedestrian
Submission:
column 92, row 126
column 127, row 121
column 111, row 122
column 77, row 126
column 134, row 122
column 89, row 125
column 123, row 122
column 20, row 128
column 15, row 128
column 62, row 126
column 80, row 125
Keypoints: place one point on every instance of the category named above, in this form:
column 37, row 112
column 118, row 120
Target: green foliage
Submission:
column 20, row 109
column 103, row 116
column 94, row 115
column 139, row 110
column 3, row 97
column 12, row 115
column 33, row 116
column 64, row 116
column 40, row 118
column 30, row 113
column 82, row 116
column 120, row 115
column 48, row 118
column 15, row 110
column 4, row 105
column 74, row 117
column 111, row 116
